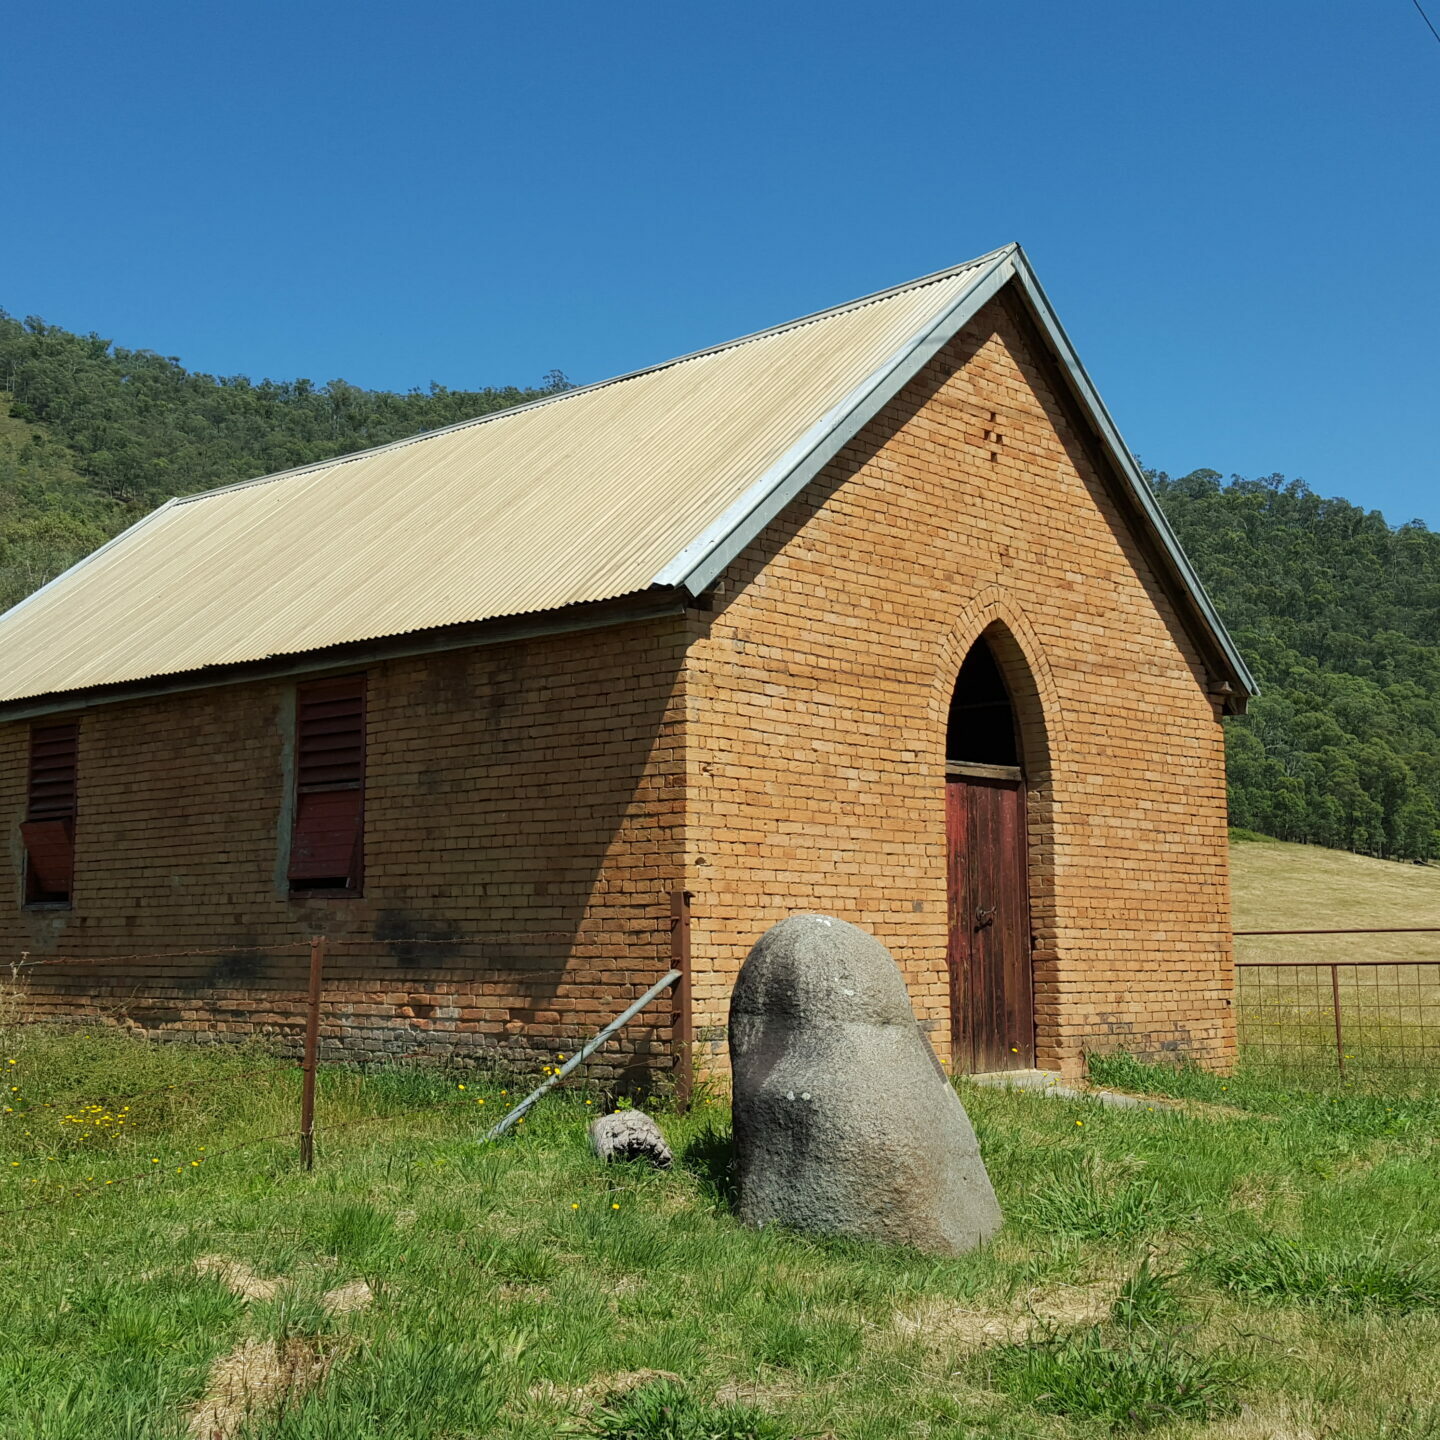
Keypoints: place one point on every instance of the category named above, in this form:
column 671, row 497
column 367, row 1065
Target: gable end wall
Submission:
column 819, row 702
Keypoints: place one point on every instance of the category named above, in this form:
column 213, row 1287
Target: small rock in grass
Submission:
column 844, row 1122
column 629, row 1135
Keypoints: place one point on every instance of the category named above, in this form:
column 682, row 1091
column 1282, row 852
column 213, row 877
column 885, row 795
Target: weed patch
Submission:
column 1128, row 1381
column 1082, row 1200
column 813, row 1346
column 1148, row 1301
column 666, row 1410
column 519, row 1262
column 401, row 1386
column 1277, row 1270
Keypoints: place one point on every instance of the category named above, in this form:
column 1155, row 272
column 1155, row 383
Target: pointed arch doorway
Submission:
column 991, row 986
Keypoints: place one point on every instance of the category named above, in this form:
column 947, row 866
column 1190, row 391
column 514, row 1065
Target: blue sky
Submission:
column 1233, row 205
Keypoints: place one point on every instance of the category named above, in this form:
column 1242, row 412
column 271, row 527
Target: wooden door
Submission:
column 992, row 1008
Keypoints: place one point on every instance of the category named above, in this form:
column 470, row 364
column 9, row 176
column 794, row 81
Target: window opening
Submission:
column 48, row 830
column 981, row 728
column 327, row 836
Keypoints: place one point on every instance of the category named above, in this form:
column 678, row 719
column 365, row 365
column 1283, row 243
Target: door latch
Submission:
column 984, row 917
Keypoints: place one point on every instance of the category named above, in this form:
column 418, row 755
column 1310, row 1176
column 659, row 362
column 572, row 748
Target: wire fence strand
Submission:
column 1361, row 1015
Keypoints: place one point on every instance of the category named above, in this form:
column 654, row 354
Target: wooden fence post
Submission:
column 682, row 1025
column 312, row 1051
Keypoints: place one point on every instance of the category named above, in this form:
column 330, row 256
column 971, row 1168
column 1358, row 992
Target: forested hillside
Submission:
column 1337, row 612
column 93, row 436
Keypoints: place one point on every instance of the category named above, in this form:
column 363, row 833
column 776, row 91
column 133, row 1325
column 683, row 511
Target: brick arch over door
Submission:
column 1034, row 696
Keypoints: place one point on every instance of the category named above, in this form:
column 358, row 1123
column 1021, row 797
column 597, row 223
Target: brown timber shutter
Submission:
column 326, row 841
column 48, row 830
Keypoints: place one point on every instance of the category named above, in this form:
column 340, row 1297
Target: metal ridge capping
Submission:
column 1124, row 460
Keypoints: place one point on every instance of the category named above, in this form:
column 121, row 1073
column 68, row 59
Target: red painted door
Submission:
column 992, row 1006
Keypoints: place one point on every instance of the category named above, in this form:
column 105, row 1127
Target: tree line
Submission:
column 1336, row 611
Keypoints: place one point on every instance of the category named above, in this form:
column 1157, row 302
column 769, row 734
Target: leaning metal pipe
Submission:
column 583, row 1054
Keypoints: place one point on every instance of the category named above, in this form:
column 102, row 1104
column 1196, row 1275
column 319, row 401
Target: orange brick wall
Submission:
column 520, row 790
column 787, row 757
column 819, row 703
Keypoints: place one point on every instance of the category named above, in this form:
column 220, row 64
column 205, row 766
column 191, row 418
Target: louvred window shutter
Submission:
column 326, row 841
column 48, row 831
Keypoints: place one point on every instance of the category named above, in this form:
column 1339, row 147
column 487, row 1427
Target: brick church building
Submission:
column 871, row 613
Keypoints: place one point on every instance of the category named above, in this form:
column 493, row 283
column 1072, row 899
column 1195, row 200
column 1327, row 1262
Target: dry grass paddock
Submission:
column 1390, row 1013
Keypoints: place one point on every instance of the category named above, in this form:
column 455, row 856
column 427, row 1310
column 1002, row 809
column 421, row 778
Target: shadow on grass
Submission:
column 709, row 1156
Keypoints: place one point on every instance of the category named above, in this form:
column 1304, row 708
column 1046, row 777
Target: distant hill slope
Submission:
column 50, row 514
column 1337, row 612
column 1279, row 886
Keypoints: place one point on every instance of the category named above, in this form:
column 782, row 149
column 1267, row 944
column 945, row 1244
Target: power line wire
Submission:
column 1426, row 19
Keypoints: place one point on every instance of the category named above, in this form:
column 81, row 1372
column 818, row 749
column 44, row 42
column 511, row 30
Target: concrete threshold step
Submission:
column 1050, row 1082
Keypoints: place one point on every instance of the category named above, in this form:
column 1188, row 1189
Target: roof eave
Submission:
column 637, row 607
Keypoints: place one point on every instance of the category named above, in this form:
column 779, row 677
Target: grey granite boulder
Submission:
column 844, row 1122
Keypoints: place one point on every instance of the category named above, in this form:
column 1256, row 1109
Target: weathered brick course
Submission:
column 482, row 820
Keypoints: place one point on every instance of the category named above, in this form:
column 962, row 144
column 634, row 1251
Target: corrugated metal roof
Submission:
column 655, row 478
column 583, row 497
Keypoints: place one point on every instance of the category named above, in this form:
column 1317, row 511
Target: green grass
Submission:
column 665, row 1410
column 1265, row 1256
column 1353, row 1277
column 1126, row 1381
